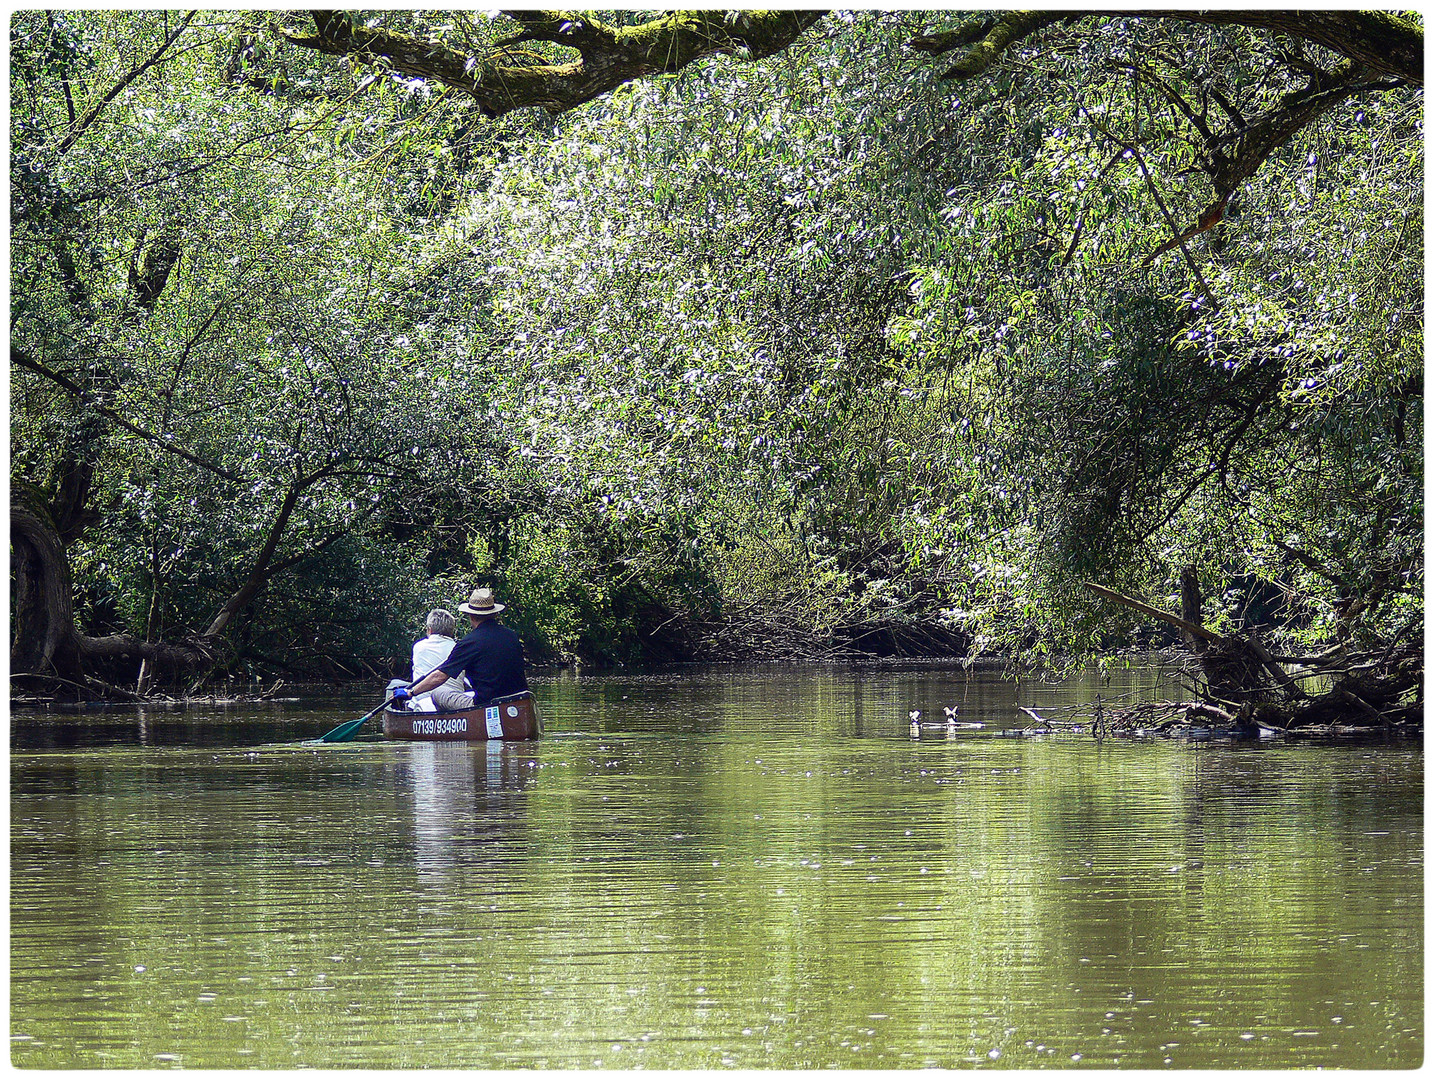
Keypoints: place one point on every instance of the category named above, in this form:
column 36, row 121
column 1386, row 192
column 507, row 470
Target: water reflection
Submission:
column 845, row 701
column 466, row 799
column 716, row 869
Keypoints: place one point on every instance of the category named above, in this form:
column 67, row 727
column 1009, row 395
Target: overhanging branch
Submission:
column 1378, row 40
column 608, row 56
column 24, row 360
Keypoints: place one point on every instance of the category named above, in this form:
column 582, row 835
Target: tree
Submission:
column 216, row 363
column 805, row 346
column 1380, row 52
column 1194, row 412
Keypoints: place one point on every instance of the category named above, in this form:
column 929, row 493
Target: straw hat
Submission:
column 481, row 603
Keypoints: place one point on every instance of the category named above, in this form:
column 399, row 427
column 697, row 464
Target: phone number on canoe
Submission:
column 442, row 725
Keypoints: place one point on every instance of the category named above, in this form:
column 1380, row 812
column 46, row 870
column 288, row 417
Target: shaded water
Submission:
column 732, row 867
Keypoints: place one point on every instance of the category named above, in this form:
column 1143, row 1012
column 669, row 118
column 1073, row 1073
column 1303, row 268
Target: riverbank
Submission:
column 1315, row 713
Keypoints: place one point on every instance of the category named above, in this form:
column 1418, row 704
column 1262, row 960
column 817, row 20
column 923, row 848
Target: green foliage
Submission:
column 817, row 339
column 1119, row 424
column 272, row 355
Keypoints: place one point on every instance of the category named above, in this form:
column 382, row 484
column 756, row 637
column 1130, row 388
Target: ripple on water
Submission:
column 793, row 895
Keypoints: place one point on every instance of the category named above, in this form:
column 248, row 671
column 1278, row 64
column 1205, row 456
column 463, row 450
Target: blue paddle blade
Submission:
column 344, row 732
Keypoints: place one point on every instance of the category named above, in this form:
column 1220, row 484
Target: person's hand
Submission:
column 403, row 693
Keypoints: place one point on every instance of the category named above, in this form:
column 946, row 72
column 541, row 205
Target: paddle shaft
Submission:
column 344, row 732
column 380, row 705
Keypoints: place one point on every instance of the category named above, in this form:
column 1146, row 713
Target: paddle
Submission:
column 347, row 730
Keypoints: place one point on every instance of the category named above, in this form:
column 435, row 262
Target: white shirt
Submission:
column 428, row 654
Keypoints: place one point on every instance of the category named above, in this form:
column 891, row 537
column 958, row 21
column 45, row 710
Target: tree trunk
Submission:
column 1383, row 687
column 43, row 630
column 1190, row 601
column 45, row 643
column 262, row 570
column 119, row 659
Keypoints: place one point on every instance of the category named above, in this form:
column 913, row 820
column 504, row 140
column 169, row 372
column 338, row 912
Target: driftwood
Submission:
column 783, row 632
column 1241, row 685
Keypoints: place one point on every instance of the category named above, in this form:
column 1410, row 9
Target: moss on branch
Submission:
column 608, row 56
column 1005, row 32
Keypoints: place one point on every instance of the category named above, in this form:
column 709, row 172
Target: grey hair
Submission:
column 440, row 621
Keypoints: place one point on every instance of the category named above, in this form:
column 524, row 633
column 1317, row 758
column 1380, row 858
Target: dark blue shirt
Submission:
column 492, row 657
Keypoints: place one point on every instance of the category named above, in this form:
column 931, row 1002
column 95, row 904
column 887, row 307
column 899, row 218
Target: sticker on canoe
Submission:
column 494, row 722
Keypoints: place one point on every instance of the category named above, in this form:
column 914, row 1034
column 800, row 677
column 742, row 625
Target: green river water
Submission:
column 714, row 868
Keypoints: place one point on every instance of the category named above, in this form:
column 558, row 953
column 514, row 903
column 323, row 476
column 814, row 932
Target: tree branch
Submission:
column 1005, row 32
column 967, row 33
column 1375, row 39
column 1305, row 559
column 24, row 360
column 260, row 572
column 266, row 567
column 1179, row 238
column 1164, row 616
column 1257, row 140
column 1379, row 40
column 609, row 56
column 82, row 125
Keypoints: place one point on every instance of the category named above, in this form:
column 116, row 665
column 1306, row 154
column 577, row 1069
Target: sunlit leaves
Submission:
column 273, row 351
column 816, row 335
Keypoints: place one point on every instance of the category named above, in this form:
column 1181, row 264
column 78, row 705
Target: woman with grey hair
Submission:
column 440, row 623
column 431, row 651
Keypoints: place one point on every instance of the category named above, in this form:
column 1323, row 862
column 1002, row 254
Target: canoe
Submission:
column 512, row 717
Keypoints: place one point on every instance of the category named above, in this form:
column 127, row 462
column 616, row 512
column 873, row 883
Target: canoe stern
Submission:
column 512, row 718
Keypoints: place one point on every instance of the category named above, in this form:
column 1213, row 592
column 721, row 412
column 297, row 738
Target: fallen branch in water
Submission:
column 1244, row 686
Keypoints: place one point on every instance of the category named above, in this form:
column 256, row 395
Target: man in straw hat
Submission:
column 491, row 656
